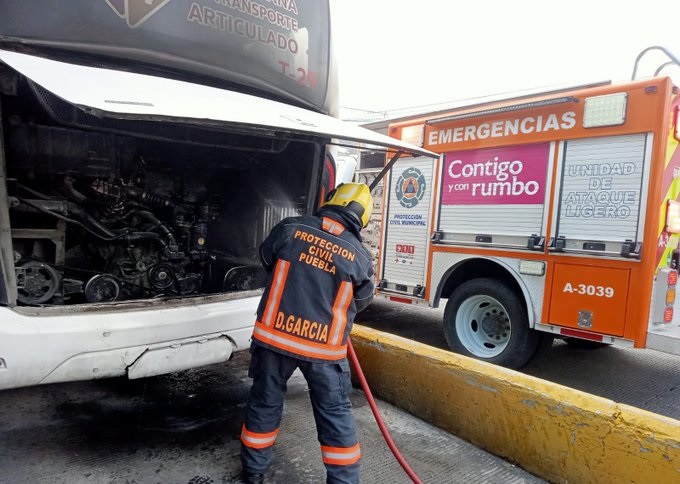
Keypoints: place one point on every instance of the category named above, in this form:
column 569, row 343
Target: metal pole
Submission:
column 384, row 171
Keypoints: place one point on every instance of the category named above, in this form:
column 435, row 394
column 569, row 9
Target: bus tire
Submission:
column 485, row 319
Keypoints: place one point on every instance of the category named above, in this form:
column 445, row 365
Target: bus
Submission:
column 146, row 150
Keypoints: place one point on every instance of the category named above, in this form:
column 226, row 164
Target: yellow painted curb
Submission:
column 560, row 434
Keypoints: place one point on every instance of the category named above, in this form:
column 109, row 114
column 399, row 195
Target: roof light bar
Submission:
column 505, row 109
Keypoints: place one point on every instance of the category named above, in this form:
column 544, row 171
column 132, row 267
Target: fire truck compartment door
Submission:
column 407, row 224
column 589, row 298
column 601, row 194
column 495, row 196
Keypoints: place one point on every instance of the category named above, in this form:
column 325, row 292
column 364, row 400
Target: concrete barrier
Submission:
column 557, row 433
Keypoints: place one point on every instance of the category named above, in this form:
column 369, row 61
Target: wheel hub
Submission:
column 494, row 325
column 483, row 326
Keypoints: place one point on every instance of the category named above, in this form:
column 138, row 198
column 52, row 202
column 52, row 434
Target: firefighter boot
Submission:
column 249, row 478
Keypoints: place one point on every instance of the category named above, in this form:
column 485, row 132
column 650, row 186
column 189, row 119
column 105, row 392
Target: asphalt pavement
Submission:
column 183, row 428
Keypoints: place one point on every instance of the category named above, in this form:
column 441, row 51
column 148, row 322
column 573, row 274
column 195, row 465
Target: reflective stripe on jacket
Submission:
column 320, row 273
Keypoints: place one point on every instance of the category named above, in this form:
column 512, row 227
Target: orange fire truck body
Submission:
column 553, row 214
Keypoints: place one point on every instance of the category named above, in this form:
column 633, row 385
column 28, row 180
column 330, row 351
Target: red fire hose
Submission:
column 378, row 418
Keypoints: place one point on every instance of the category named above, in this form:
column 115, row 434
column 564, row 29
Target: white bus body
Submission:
column 133, row 202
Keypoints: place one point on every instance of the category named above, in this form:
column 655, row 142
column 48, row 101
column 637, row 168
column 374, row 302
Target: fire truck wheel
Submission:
column 484, row 319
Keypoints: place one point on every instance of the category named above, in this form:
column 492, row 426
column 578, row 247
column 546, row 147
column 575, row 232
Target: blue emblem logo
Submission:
column 410, row 187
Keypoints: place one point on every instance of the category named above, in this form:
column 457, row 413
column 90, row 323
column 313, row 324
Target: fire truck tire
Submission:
column 486, row 320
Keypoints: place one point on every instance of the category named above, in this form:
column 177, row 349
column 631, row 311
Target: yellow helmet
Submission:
column 354, row 196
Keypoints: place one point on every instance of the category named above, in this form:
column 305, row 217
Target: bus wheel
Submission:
column 484, row 319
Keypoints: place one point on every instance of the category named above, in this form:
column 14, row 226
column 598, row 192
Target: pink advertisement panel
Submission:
column 496, row 176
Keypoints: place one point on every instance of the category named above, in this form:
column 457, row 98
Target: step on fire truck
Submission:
column 551, row 215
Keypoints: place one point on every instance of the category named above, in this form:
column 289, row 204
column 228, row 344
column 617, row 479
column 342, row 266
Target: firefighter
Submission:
column 320, row 276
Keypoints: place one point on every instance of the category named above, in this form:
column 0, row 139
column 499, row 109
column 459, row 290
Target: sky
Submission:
column 399, row 54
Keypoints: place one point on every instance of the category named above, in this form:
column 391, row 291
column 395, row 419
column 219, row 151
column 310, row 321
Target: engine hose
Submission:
column 134, row 237
column 378, row 418
column 69, row 220
column 172, row 243
column 81, row 214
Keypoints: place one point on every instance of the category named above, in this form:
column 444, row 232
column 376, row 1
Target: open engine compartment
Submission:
column 113, row 209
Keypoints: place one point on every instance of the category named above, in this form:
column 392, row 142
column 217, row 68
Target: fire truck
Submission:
column 548, row 215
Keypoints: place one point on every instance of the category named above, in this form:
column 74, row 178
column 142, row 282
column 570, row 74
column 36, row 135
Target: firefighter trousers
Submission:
column 329, row 386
